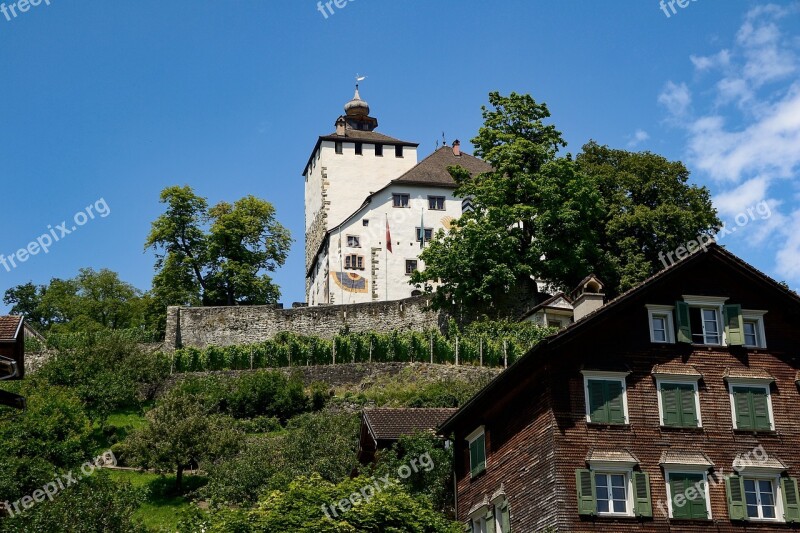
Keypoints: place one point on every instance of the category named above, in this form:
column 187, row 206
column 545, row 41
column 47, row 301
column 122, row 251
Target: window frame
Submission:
column 402, row 196
column 717, row 303
column 398, row 151
column 418, row 231
column 338, row 147
column 597, row 375
column 627, row 474
column 472, row 437
column 690, row 470
column 358, row 264
column 749, row 315
column 694, row 382
column 416, row 266
column 775, row 479
column 378, row 150
column 434, row 198
column 354, row 238
column 666, row 312
column 751, row 383
column 359, row 148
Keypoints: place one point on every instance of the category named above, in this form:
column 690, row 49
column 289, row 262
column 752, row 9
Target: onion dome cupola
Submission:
column 356, row 116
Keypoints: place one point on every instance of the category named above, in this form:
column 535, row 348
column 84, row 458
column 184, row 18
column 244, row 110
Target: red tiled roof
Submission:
column 391, row 424
column 10, row 327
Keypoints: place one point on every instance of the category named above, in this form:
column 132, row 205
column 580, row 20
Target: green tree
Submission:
column 534, row 215
column 220, row 255
column 649, row 207
column 181, row 431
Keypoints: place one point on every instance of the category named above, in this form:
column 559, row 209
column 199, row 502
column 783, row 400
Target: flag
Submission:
column 388, row 236
column 422, row 229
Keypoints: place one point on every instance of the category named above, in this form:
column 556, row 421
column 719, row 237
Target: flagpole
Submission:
column 386, row 257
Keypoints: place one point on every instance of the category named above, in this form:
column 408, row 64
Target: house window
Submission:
column 751, row 406
column 353, row 241
column 613, row 492
column 554, row 324
column 688, row 495
column 477, row 451
column 354, row 262
column 753, row 329
column 338, row 146
column 428, row 234
column 765, row 497
column 400, row 200
column 502, row 516
column 708, row 320
column 661, row 328
column 759, row 494
column 378, row 150
column 398, row 151
column 359, row 149
column 606, row 398
column 679, row 404
column 411, row 266
column 436, row 203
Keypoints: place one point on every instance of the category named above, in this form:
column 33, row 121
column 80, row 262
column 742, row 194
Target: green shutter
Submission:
column 482, row 452
column 669, row 402
column 677, row 485
column 683, row 322
column 687, row 405
column 614, row 401
column 598, row 412
column 477, row 455
column 490, row 526
column 505, row 518
column 473, row 458
column 587, row 493
column 791, row 500
column 734, row 486
column 698, row 508
column 734, row 325
column 643, row 505
column 744, row 413
column 760, row 403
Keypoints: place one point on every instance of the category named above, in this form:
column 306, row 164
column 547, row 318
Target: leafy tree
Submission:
column 300, row 508
column 92, row 301
column 95, row 505
column 180, row 432
column 534, row 215
column 542, row 216
column 219, row 255
column 649, row 207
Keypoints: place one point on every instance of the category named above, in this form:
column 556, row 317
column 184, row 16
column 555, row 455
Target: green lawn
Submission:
column 163, row 506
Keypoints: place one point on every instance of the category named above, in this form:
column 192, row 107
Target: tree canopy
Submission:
column 219, row 255
column 543, row 216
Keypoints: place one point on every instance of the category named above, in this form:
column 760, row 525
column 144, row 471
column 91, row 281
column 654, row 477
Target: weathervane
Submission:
column 359, row 79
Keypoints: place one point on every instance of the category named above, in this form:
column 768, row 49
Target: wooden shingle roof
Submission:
column 10, row 328
column 391, row 424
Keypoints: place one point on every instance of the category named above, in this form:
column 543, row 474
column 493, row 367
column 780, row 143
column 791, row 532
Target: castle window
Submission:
column 338, row 146
column 359, row 149
column 428, row 234
column 353, row 241
column 378, row 150
column 398, row 151
column 354, row 262
column 400, row 200
column 411, row 266
column 365, row 222
column 436, row 203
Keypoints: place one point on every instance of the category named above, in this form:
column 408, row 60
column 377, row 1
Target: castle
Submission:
column 371, row 207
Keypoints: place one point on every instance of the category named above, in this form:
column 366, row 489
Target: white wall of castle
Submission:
column 370, row 283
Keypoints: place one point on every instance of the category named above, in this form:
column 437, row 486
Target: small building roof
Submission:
column 685, row 458
column 550, row 304
column 675, row 369
column 747, row 460
column 10, row 328
column 611, row 456
column 391, row 424
column 748, row 373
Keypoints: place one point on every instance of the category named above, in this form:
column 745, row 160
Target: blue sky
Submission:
column 117, row 100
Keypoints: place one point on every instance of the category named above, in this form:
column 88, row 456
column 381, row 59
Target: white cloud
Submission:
column 788, row 257
column 676, row 98
column 719, row 60
column 638, row 138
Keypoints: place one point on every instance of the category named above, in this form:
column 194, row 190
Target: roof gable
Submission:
column 433, row 170
column 10, row 328
column 391, row 424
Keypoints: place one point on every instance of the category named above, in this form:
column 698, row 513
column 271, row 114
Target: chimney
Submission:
column 457, row 148
column 340, row 126
column 587, row 297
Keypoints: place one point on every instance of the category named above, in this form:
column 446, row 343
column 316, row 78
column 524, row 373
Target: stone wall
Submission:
column 224, row 326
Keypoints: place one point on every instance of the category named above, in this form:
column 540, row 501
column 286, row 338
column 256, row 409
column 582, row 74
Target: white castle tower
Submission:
column 358, row 182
